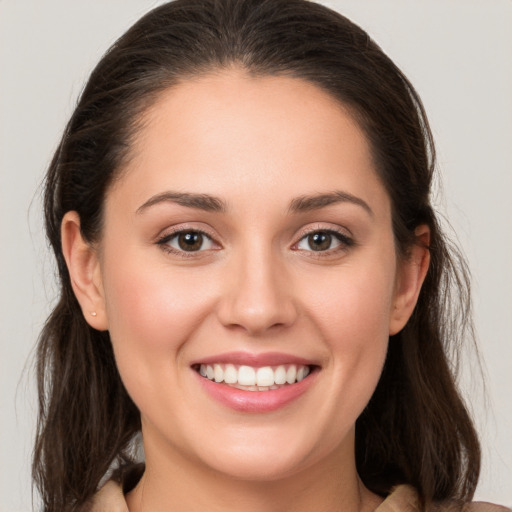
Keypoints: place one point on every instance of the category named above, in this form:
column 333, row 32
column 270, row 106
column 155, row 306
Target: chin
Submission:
column 258, row 466
column 267, row 456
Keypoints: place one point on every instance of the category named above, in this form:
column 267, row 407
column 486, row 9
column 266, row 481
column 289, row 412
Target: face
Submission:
column 248, row 276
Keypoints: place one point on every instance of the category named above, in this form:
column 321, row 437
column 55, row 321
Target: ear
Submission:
column 410, row 276
column 84, row 271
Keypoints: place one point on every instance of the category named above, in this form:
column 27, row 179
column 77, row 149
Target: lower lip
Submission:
column 256, row 401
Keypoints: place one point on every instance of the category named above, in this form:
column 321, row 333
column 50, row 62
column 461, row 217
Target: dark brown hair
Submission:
column 415, row 428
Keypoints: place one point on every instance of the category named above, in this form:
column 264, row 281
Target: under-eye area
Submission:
column 249, row 378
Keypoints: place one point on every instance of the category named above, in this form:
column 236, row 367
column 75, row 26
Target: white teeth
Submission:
column 291, row 374
column 254, row 379
column 280, row 375
column 218, row 373
column 230, row 374
column 265, row 376
column 246, row 376
column 302, row 373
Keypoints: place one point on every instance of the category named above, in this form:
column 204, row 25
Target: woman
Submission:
column 252, row 276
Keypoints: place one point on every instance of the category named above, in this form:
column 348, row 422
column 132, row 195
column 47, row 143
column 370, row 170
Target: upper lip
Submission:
column 255, row 360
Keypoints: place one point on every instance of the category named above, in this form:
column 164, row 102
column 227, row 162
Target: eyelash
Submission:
column 345, row 242
column 168, row 237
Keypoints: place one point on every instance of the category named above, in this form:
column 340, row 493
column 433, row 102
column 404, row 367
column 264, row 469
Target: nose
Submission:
column 257, row 295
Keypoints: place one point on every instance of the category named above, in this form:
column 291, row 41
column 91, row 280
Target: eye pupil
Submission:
column 320, row 241
column 190, row 241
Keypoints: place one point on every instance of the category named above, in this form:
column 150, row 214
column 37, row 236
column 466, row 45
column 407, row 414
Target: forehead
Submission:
column 227, row 132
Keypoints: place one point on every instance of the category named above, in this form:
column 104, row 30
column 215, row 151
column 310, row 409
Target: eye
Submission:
column 187, row 241
column 323, row 241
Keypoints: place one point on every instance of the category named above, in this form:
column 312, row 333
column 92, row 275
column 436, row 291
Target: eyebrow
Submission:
column 318, row 201
column 210, row 203
column 199, row 201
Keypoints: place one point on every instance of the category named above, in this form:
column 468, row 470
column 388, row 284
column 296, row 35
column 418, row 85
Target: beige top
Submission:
column 403, row 498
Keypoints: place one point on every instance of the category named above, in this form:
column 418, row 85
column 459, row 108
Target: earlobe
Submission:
column 410, row 277
column 84, row 271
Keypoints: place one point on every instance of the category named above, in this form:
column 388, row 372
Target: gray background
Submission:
column 457, row 53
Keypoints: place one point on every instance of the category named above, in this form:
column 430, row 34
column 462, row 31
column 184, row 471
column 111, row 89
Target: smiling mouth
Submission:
column 249, row 378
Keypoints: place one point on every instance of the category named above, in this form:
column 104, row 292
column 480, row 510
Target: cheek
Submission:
column 152, row 312
column 352, row 317
column 352, row 304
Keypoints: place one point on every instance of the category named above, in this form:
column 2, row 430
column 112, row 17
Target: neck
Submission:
column 178, row 483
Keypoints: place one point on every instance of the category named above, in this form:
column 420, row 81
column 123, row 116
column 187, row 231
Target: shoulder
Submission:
column 404, row 498
column 482, row 506
column 110, row 498
column 476, row 506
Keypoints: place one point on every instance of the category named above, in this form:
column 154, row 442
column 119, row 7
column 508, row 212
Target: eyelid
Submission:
column 169, row 233
column 327, row 227
column 343, row 235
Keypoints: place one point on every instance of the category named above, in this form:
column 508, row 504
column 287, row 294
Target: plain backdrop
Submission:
column 457, row 53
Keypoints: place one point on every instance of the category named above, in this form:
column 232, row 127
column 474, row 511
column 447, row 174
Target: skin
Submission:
column 257, row 144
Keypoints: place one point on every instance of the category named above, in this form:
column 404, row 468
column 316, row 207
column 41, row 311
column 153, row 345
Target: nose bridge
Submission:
column 257, row 297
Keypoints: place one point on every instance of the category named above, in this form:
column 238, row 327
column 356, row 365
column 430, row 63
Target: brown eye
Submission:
column 191, row 241
column 328, row 241
column 187, row 241
column 320, row 241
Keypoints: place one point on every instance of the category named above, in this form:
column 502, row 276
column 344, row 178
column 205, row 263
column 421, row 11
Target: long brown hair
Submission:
column 415, row 429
